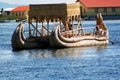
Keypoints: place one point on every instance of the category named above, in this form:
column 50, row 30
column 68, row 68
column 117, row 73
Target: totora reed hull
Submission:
column 19, row 42
column 57, row 40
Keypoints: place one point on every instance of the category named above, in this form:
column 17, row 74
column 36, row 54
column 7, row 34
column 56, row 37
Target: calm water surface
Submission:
column 83, row 63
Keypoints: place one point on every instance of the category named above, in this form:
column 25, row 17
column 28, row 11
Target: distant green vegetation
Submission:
column 7, row 17
column 10, row 17
column 4, row 16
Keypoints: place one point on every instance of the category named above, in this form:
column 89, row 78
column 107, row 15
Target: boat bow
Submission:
column 20, row 42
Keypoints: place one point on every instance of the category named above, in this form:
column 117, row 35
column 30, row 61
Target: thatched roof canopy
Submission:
column 54, row 12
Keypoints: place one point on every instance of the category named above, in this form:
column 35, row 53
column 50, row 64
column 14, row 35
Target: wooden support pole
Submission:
column 42, row 29
column 36, row 27
column 48, row 27
column 29, row 30
column 66, row 26
column 72, row 27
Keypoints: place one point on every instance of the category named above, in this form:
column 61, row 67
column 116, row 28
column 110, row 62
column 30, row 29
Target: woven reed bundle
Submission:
column 54, row 11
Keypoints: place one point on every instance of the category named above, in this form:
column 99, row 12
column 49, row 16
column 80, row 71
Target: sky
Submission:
column 22, row 2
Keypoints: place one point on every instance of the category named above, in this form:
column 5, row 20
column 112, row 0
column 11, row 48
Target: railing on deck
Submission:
column 89, row 31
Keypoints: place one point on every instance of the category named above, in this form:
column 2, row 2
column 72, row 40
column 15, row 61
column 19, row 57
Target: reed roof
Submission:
column 50, row 11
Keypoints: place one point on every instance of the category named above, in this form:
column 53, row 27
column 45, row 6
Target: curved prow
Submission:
column 20, row 42
column 101, row 25
column 15, row 38
column 99, row 21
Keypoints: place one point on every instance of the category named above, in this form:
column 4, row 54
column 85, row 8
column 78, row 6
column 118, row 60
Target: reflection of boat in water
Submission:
column 79, row 52
column 65, row 34
column 48, row 53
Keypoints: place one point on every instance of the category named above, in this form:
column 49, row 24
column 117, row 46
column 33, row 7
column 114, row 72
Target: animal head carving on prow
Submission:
column 99, row 21
column 99, row 18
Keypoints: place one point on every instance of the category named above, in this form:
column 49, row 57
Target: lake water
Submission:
column 83, row 63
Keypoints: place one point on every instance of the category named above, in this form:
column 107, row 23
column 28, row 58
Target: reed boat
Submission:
column 68, row 32
column 60, row 39
column 19, row 41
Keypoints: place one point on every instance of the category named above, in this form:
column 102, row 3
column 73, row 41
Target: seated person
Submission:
column 98, row 31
